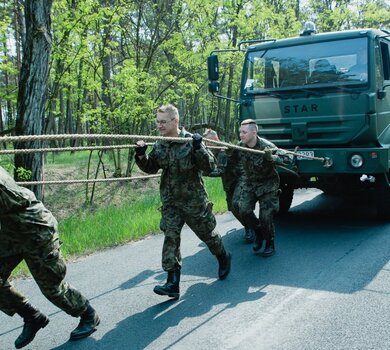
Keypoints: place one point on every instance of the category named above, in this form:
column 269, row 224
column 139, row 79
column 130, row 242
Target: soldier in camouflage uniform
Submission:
column 183, row 196
column 229, row 171
column 28, row 231
column 259, row 183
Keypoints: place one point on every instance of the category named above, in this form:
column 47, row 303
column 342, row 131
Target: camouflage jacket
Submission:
column 227, row 168
column 182, row 167
column 259, row 174
column 21, row 214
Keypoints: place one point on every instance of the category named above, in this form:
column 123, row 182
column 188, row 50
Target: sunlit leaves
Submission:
column 155, row 52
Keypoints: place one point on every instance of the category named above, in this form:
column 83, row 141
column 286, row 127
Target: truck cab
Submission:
column 324, row 96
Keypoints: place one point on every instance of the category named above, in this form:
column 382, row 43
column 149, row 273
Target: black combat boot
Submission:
column 269, row 249
column 249, row 235
column 171, row 287
column 258, row 242
column 34, row 320
column 89, row 320
column 224, row 261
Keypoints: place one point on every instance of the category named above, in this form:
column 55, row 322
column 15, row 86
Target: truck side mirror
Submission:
column 381, row 93
column 213, row 67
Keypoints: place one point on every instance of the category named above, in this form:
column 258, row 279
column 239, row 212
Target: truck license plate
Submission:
column 305, row 153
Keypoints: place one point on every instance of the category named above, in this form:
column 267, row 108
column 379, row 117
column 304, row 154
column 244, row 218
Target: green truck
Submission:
column 324, row 96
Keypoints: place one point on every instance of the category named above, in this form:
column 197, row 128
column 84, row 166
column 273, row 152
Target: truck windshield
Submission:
column 327, row 65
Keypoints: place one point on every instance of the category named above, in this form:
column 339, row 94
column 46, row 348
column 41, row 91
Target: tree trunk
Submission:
column 33, row 86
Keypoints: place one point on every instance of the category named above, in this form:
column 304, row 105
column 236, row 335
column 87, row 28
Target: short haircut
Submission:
column 210, row 132
column 169, row 109
column 251, row 123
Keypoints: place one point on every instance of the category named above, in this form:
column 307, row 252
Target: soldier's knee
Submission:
column 52, row 270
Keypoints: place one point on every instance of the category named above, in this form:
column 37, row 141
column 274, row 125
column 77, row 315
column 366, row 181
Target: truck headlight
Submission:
column 356, row 161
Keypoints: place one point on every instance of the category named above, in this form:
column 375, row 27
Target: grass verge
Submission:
column 103, row 228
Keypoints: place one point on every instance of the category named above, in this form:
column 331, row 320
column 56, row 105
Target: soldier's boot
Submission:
column 269, row 249
column 34, row 320
column 171, row 287
column 224, row 261
column 89, row 320
column 249, row 235
column 258, row 242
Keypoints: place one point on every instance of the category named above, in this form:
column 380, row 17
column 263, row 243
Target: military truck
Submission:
column 325, row 96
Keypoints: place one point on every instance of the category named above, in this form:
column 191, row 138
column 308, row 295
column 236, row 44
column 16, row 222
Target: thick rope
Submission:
column 133, row 137
column 67, row 182
column 122, row 137
column 229, row 145
column 29, row 138
column 66, row 149
column 73, row 149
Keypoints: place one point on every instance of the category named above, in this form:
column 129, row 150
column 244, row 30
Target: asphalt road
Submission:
column 327, row 287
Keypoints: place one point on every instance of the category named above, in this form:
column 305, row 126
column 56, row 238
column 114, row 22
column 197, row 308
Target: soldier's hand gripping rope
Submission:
column 196, row 141
column 140, row 149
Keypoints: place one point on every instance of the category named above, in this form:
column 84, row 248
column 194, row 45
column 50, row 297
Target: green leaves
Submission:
column 113, row 62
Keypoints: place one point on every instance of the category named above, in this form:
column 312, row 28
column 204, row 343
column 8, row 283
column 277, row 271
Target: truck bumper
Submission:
column 375, row 161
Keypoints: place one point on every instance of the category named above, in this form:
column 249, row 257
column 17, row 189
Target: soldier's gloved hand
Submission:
column 268, row 155
column 196, row 141
column 140, row 149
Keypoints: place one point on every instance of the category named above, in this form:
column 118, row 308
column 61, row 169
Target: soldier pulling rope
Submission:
column 327, row 162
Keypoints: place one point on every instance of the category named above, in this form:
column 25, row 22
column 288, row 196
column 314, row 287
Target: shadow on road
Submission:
column 330, row 243
column 198, row 299
column 323, row 244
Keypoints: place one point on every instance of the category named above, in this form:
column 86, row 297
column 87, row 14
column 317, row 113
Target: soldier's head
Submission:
column 248, row 132
column 167, row 120
column 211, row 135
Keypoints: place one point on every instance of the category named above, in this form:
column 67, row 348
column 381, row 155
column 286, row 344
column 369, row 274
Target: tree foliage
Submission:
column 114, row 61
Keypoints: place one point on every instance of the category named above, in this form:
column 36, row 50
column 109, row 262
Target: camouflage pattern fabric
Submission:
column 245, row 202
column 229, row 170
column 181, row 178
column 28, row 231
column 199, row 219
column 259, row 182
column 183, row 195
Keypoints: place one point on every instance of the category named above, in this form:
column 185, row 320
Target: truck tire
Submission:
column 285, row 198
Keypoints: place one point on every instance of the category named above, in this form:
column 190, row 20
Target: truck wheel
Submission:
column 285, row 198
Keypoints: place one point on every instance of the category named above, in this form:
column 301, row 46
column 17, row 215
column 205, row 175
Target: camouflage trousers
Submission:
column 244, row 203
column 47, row 266
column 199, row 219
column 229, row 201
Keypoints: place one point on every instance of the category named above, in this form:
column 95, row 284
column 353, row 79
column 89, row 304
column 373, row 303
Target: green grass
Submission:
column 216, row 194
column 80, row 158
column 87, row 232
column 121, row 212
column 112, row 226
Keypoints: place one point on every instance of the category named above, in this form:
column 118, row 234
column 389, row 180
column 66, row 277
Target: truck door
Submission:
column 382, row 72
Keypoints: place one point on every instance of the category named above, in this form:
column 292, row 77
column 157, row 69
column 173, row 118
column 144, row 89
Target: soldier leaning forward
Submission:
column 28, row 231
column 228, row 169
column 259, row 183
column 183, row 195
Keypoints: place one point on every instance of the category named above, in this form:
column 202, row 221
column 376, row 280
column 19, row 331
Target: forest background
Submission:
column 111, row 63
